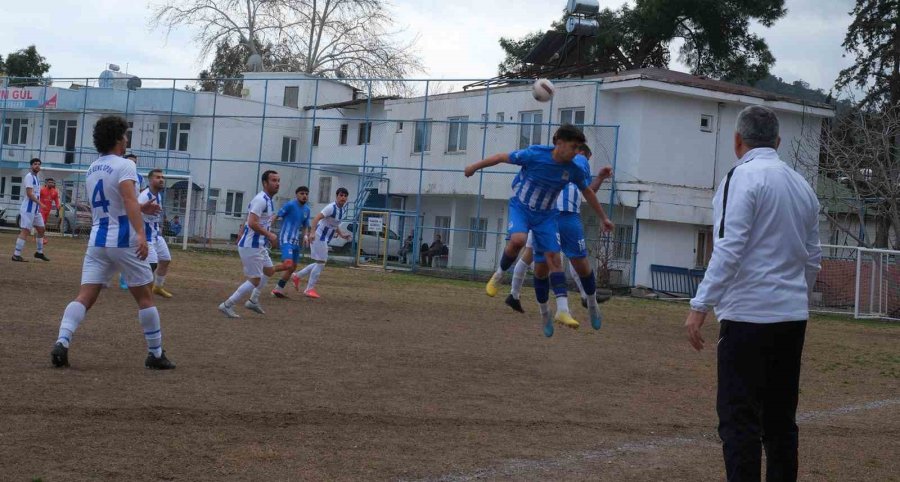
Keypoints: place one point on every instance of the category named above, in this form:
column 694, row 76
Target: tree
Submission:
column 331, row 38
column 228, row 65
column 874, row 39
column 717, row 41
column 27, row 65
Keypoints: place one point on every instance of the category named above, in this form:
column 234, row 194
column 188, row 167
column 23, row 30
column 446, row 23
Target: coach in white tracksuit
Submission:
column 765, row 260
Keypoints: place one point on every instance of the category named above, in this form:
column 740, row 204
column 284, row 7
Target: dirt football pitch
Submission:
column 398, row 377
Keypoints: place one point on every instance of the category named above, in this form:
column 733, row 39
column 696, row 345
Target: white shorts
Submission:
column 30, row 220
column 318, row 251
column 101, row 263
column 254, row 260
column 158, row 251
column 529, row 243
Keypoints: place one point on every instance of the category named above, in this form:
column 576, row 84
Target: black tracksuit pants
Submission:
column 759, row 378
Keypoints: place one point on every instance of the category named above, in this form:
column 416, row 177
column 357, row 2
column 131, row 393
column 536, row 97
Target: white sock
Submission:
column 160, row 281
column 254, row 296
column 239, row 294
column 574, row 275
column 314, row 277
column 40, row 244
column 20, row 245
column 304, row 273
column 545, row 309
column 562, row 304
column 591, row 301
column 498, row 275
column 518, row 278
column 72, row 317
column 149, row 318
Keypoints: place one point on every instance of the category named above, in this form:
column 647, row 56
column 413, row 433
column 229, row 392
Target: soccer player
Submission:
column 159, row 256
column 29, row 217
column 50, row 197
column 545, row 171
column 253, row 247
column 117, row 243
column 295, row 221
column 572, row 241
column 149, row 208
column 326, row 224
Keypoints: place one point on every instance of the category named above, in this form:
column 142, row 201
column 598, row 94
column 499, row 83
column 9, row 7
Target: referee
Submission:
column 764, row 262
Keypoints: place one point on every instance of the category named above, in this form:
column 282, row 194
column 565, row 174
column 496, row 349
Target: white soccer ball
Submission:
column 543, row 90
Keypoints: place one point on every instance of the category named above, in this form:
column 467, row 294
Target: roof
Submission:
column 701, row 82
column 351, row 103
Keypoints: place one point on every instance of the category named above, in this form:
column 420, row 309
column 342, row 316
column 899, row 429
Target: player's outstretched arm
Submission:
column 591, row 199
column 253, row 222
column 604, row 174
column 133, row 210
column 471, row 169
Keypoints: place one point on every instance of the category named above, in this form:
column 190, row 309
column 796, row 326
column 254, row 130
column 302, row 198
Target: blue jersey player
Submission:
column 545, row 171
column 294, row 234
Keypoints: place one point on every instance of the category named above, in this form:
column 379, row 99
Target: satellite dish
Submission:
column 255, row 63
column 134, row 83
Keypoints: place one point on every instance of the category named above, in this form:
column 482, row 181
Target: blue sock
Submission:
column 589, row 283
column 558, row 281
column 542, row 289
column 506, row 261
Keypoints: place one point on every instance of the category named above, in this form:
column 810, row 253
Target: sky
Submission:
column 456, row 39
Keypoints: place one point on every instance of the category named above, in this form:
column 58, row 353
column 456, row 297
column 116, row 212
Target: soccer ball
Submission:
column 543, row 90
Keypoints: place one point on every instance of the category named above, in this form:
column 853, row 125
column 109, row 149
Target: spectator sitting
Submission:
column 175, row 226
column 405, row 249
column 436, row 249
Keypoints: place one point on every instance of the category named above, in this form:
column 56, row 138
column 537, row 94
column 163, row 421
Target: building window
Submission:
column 343, row 140
column 15, row 131
column 530, row 128
column 129, row 134
column 477, row 233
column 2, row 187
column 572, row 116
column 324, row 190
column 706, row 123
column 58, row 128
column 291, row 97
column 316, row 130
column 234, row 202
column 288, row 149
column 176, row 134
column 15, row 188
column 622, row 248
column 484, row 120
column 500, row 119
column 212, row 201
column 459, row 126
column 365, row 133
column 400, row 126
column 422, row 141
column 704, row 247
column 442, row 228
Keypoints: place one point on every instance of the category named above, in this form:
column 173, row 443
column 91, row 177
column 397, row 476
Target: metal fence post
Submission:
column 417, row 241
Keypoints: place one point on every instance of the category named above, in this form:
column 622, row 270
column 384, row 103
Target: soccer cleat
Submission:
column 564, row 318
column 122, row 284
column 161, row 363
column 491, row 288
column 60, row 355
column 254, row 307
column 514, row 304
column 159, row 290
column 295, row 280
column 18, row 258
column 41, row 256
column 311, row 293
column 278, row 293
column 596, row 317
column 228, row 310
column 548, row 325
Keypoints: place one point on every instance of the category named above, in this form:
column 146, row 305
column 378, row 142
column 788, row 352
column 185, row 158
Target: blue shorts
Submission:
column 571, row 237
column 290, row 252
column 542, row 225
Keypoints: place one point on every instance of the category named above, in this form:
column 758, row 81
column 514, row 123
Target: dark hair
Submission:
column 568, row 132
column 584, row 149
column 265, row 175
column 49, row 179
column 301, row 189
column 342, row 191
column 35, row 160
column 154, row 171
column 130, row 155
column 108, row 131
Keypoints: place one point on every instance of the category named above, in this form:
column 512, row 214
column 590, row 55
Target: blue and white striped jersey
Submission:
column 110, row 227
column 332, row 216
column 541, row 178
column 31, row 181
column 569, row 200
column 295, row 217
column 151, row 221
column 262, row 206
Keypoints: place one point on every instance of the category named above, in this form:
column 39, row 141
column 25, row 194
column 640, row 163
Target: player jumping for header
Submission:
column 545, row 171
column 326, row 225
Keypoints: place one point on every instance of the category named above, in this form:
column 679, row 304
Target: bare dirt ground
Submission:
column 392, row 376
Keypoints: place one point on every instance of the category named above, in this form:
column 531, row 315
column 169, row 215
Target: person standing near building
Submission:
column 50, row 197
column 159, row 256
column 765, row 260
column 29, row 217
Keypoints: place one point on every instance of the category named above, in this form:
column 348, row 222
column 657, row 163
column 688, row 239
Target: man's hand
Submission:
column 693, row 324
column 608, row 226
column 306, row 240
column 273, row 240
column 142, row 249
column 606, row 172
column 346, row 236
column 470, row 170
column 151, row 208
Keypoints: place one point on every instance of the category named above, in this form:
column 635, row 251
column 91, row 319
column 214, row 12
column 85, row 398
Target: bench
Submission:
column 674, row 281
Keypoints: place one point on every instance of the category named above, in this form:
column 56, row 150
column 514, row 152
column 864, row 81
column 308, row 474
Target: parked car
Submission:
column 74, row 222
column 371, row 243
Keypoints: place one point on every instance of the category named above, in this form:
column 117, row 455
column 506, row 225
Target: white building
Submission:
column 669, row 136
